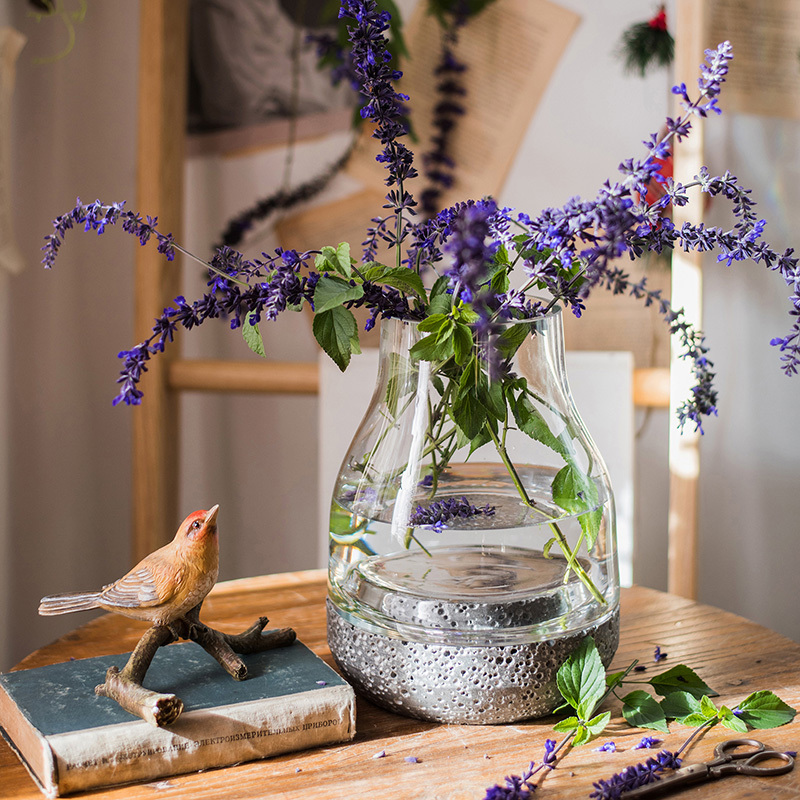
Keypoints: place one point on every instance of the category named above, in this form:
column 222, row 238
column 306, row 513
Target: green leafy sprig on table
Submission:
column 685, row 699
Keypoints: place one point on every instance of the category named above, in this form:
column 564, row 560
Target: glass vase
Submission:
column 467, row 561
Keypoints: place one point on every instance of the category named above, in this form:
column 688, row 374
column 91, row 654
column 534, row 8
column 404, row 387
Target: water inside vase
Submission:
column 490, row 578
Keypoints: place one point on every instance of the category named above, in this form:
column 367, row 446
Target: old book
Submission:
column 71, row 740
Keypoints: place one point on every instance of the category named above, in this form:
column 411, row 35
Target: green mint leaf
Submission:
column 735, row 724
column 331, row 259
column 531, row 422
column 765, row 710
column 680, row 678
column 332, row 291
column 441, row 304
column 252, row 337
column 336, row 331
column 462, row 343
column 434, row 347
column 490, row 393
column 440, row 287
column 707, row 708
column 693, row 720
column 434, row 323
column 678, row 705
column 467, row 411
column 401, row 278
column 596, row 725
column 582, row 736
column 574, row 491
column 581, row 679
column 343, row 258
column 567, row 725
column 500, row 282
column 731, row 721
column 509, row 341
column 641, row 710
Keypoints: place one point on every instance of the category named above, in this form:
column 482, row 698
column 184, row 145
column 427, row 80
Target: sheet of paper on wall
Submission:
column 765, row 74
column 511, row 49
column 11, row 43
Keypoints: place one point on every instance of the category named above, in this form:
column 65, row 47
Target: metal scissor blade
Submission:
column 684, row 776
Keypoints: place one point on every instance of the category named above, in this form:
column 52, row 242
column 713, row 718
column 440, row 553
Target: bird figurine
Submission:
column 163, row 586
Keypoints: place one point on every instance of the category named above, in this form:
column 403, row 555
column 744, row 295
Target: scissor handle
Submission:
column 730, row 750
column 751, row 765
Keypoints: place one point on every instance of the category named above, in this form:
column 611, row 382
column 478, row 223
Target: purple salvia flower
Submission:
column 633, row 777
column 647, row 743
column 371, row 64
column 467, row 246
column 608, row 747
column 516, row 787
column 440, row 512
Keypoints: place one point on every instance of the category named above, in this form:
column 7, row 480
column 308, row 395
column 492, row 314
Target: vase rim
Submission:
column 554, row 313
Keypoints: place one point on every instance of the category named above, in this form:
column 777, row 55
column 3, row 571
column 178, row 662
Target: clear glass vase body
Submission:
column 467, row 561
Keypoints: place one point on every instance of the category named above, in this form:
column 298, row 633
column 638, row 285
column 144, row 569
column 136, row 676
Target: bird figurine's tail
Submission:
column 67, row 603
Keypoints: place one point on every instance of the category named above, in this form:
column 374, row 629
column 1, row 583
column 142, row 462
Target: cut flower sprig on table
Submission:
column 474, row 280
column 585, row 686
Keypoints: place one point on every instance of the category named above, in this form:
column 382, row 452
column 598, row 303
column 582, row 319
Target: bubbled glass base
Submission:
column 451, row 683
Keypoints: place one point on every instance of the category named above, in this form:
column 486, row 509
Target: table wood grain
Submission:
column 733, row 655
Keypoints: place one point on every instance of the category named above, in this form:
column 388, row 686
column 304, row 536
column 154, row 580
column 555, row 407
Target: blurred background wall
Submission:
column 65, row 460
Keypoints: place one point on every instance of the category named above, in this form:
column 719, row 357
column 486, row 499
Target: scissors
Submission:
column 733, row 757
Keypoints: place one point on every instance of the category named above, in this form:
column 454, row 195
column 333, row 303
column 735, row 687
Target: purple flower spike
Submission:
column 647, row 742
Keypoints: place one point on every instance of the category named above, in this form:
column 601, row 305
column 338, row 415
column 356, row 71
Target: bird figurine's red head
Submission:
column 199, row 525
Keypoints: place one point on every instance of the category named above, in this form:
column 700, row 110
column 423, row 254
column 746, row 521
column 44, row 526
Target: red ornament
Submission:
column 659, row 21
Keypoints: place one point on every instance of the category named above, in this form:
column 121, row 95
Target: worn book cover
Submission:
column 72, row 740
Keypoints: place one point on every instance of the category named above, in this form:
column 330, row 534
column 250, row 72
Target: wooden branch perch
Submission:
column 126, row 686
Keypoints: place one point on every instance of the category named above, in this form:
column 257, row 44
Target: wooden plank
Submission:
column 687, row 293
column 651, row 387
column 159, row 190
column 650, row 384
column 735, row 656
column 275, row 377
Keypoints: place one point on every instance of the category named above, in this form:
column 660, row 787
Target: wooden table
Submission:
column 733, row 655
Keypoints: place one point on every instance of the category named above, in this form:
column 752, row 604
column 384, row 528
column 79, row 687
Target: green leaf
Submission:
column 531, row 422
column 434, row 323
column 468, row 413
column 567, row 725
column 403, row 279
column 434, row 347
column 332, row 291
column 678, row 705
column 641, row 710
column 252, row 337
column 735, row 724
column 334, row 259
column 596, row 725
column 680, row 678
column 441, row 304
column 694, row 720
column 509, row 341
column 765, row 710
column 490, row 393
column 574, row 491
column 337, row 332
column 707, row 708
column 462, row 343
column 581, row 679
column 731, row 721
